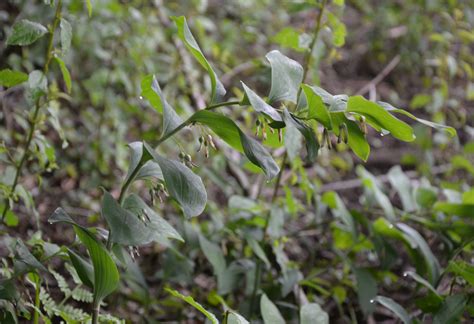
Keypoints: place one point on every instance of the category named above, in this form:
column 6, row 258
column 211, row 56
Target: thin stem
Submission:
column 37, row 300
column 95, row 312
column 34, row 118
column 306, row 66
column 221, row 104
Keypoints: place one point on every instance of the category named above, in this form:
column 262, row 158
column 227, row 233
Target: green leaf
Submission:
column 431, row 262
column 65, row 73
column 66, row 35
column 232, row 317
column 142, row 164
column 150, row 94
column 89, row 7
column 270, row 313
column 24, row 261
column 135, row 223
column 312, row 144
column 339, row 210
column 188, row 39
column 213, row 254
column 421, row 281
column 190, row 300
column 393, row 306
column 316, row 108
column 151, row 90
column 288, row 37
column 106, row 275
column 338, row 29
column 356, row 138
column 287, row 76
column 182, row 184
column 257, row 249
column 459, row 209
column 9, row 78
column 463, row 269
column 402, row 184
column 372, row 186
column 451, row 310
column 312, row 313
column 38, row 83
column 26, row 32
column 450, row 130
column 84, row 269
column 260, row 105
column 11, row 219
column 366, row 289
column 378, row 117
column 228, row 130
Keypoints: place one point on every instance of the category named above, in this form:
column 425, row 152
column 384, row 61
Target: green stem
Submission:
column 95, row 312
column 306, row 65
column 34, row 118
column 37, row 301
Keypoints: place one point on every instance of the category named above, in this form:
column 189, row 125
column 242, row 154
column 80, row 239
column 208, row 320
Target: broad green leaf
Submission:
column 232, row 317
column 183, row 185
column 450, row 130
column 24, row 261
column 141, row 163
column 270, row 313
column 158, row 229
column 65, row 73
column 213, row 254
column 84, row 269
column 451, row 310
column 366, row 289
column 288, row 37
column 38, row 83
column 287, row 75
column 228, row 130
column 292, row 141
column 135, row 223
column 187, row 37
column 11, row 219
column 260, row 105
column 356, row 138
column 66, row 35
column 312, row 313
column 459, row 209
column 402, row 184
column 9, row 78
column 26, row 32
column 378, row 117
column 257, row 249
column 394, row 307
column 316, row 108
column 106, row 275
column 190, row 300
column 8, row 291
column 150, row 94
column 151, row 90
column 463, row 269
column 312, row 144
column 431, row 261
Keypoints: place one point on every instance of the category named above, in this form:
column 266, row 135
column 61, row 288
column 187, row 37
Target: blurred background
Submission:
column 416, row 54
